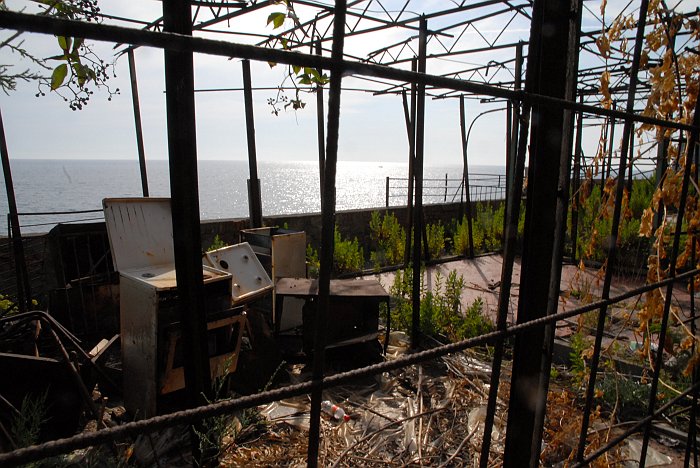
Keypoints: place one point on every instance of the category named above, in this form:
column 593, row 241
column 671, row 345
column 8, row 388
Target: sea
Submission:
column 49, row 191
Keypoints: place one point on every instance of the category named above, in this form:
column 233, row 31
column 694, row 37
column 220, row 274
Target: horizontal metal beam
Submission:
column 178, row 42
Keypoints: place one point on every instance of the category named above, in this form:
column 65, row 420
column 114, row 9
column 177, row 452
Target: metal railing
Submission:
column 482, row 187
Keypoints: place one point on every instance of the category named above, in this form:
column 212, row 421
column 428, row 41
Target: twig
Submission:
column 459, row 447
column 420, row 410
column 367, row 408
column 381, row 429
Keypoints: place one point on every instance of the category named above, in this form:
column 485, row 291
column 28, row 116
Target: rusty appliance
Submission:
column 250, row 281
column 141, row 242
column 282, row 253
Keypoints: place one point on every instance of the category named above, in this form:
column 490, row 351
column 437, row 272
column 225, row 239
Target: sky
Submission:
column 372, row 127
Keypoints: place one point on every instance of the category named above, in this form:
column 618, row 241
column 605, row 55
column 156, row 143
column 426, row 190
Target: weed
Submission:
column 441, row 312
column 26, row 426
column 460, row 239
column 389, row 237
column 312, row 260
column 436, row 239
column 348, row 256
column 217, row 243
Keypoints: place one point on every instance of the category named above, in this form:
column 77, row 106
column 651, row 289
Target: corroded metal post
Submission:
column 254, row 197
column 327, row 229
column 418, row 175
column 548, row 57
column 24, row 295
column 617, row 214
column 319, row 128
column 137, row 121
column 184, row 190
column 465, row 174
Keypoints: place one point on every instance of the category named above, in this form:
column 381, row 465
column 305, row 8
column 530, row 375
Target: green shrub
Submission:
column 389, row 238
column 436, row 239
column 216, row 244
column 487, row 229
column 441, row 311
column 348, row 255
column 642, row 193
column 460, row 239
column 312, row 261
column 595, row 223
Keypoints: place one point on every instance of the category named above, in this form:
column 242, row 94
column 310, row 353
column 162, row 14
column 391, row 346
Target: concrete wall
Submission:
column 49, row 269
column 351, row 223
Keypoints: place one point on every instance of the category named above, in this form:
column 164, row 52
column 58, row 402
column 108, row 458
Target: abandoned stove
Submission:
column 140, row 236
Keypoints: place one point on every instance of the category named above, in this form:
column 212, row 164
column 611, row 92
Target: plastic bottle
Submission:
column 335, row 411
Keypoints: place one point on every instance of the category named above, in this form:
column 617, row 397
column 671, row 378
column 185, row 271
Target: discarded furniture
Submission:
column 354, row 309
column 44, row 364
column 141, row 240
column 250, row 280
column 282, row 253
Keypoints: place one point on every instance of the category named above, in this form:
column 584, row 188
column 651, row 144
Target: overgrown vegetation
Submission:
column 348, row 256
column 436, row 239
column 595, row 221
column 217, row 243
column 388, row 240
column 441, row 312
column 26, row 426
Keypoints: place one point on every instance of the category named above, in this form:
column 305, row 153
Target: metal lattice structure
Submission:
column 550, row 80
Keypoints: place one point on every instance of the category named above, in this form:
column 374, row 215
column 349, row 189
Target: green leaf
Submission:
column 284, row 42
column 296, row 69
column 76, row 45
column 304, row 79
column 58, row 75
column 81, row 71
column 64, row 42
column 277, row 19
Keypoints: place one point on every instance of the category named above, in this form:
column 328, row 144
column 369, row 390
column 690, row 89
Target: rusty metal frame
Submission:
column 180, row 44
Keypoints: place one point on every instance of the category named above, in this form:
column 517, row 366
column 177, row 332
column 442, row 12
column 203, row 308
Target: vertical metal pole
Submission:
column 465, row 173
column 612, row 254
column 254, row 196
column 517, row 85
column 691, row 149
column 603, row 177
column 24, row 295
column 137, row 121
column 562, row 209
column 327, row 229
column 411, row 129
column 509, row 151
column 661, row 165
column 577, row 184
column 611, row 148
column 509, row 250
column 418, row 172
column 386, row 203
column 548, row 60
column 630, row 174
column 692, row 427
column 320, row 130
column 182, row 149
column 445, row 200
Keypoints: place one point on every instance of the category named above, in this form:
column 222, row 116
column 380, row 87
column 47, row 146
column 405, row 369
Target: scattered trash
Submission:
column 336, row 412
column 632, row 450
